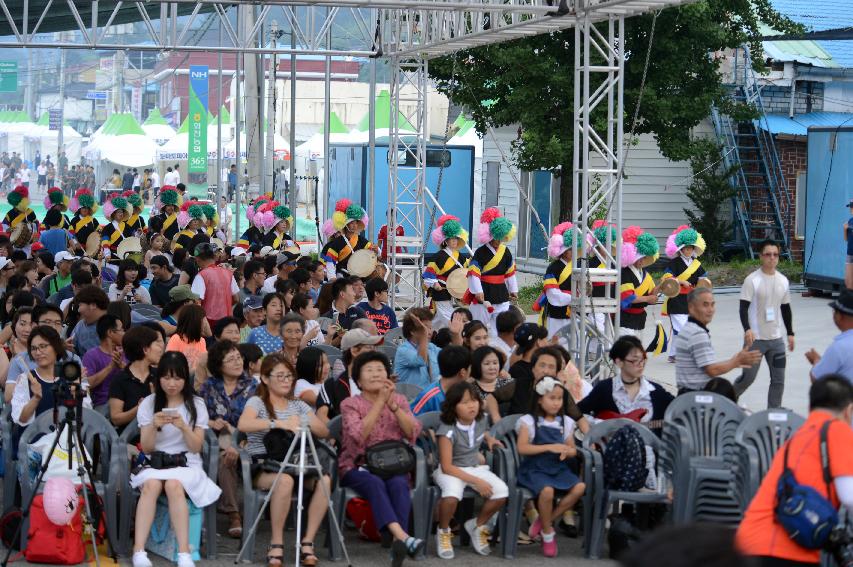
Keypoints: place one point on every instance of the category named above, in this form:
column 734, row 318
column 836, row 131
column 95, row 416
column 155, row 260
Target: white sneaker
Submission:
column 444, row 543
column 480, row 536
column 185, row 560
column 140, row 559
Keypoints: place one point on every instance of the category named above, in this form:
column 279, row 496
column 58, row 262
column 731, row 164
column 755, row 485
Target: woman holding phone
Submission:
column 171, row 421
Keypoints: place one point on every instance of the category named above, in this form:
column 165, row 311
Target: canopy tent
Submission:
column 121, row 141
column 281, row 148
column 156, row 127
column 360, row 134
column 12, row 129
column 312, row 149
column 40, row 137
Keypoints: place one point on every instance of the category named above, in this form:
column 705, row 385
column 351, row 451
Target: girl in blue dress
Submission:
column 545, row 441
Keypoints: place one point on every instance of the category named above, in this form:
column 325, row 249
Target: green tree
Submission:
column 709, row 192
column 530, row 81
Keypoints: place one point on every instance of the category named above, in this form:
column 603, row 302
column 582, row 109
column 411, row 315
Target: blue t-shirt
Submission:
column 55, row 240
column 384, row 317
column 430, row 399
column 268, row 343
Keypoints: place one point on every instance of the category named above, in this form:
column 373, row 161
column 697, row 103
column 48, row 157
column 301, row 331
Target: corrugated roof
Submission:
column 821, row 15
column 800, row 123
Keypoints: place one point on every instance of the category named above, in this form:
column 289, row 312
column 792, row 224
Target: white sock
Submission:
column 548, row 537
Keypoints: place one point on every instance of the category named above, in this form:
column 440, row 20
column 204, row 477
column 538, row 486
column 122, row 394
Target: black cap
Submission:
column 844, row 303
column 529, row 333
column 850, row 204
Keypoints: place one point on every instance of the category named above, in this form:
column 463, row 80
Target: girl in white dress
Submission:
column 172, row 420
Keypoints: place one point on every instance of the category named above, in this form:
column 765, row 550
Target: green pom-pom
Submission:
column 169, row 198
column 282, row 212
column 500, row 228
column 647, row 245
column 86, row 201
column 569, row 238
column 56, row 197
column 209, row 211
column 601, row 234
column 134, row 200
column 354, row 212
column 686, row 237
column 14, row 198
column 195, row 211
column 451, row 228
column 119, row 203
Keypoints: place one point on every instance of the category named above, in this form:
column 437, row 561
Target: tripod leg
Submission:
column 334, row 523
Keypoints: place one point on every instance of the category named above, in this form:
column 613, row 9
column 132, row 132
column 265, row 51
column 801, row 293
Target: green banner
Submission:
column 8, row 76
column 197, row 143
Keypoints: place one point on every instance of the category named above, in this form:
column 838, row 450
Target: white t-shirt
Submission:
column 269, row 284
column 171, row 178
column 24, row 175
column 155, row 179
column 320, row 339
column 303, row 385
column 199, row 288
column 140, row 294
column 170, row 439
column 527, row 421
column 766, row 294
column 42, row 169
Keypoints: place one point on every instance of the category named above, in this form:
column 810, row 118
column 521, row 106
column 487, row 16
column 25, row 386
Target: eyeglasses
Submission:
column 235, row 358
column 636, row 361
column 39, row 348
column 264, row 274
column 282, row 377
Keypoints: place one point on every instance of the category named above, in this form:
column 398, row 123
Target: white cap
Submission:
column 4, row 261
column 63, row 256
column 237, row 251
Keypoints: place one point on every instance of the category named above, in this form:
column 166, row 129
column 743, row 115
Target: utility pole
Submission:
column 60, row 137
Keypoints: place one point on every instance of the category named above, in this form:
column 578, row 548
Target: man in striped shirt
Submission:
column 454, row 363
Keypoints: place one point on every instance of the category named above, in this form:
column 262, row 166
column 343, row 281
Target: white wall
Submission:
column 838, row 96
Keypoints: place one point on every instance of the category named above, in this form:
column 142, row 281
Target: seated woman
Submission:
column 189, row 336
column 171, row 421
column 629, row 394
column 33, row 393
column 312, row 369
column 225, row 394
column 143, row 347
column 374, row 415
column 494, row 385
column 273, row 407
column 127, row 285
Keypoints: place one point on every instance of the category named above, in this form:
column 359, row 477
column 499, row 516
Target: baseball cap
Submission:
column 528, row 333
column 182, row 293
column 4, row 261
column 357, row 337
column 253, row 302
column 237, row 251
column 63, row 256
column 285, row 257
column 267, row 251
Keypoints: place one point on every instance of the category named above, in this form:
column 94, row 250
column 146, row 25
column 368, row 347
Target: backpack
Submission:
column 625, row 460
column 807, row 516
column 359, row 511
column 49, row 543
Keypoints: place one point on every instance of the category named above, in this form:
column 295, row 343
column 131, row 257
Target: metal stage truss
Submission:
column 408, row 33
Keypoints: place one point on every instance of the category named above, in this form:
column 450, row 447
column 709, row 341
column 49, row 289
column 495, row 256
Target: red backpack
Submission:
column 358, row 510
column 49, row 543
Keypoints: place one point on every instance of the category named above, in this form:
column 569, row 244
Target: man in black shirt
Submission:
column 162, row 280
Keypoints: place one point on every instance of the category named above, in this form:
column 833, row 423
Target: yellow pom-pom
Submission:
column 339, row 218
column 511, row 234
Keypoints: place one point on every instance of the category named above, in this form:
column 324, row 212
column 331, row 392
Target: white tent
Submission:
column 121, row 141
column 12, row 131
column 40, row 137
column 280, row 147
column 156, row 128
column 312, row 149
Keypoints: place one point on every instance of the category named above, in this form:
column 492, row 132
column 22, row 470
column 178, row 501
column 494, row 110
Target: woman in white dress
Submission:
column 171, row 421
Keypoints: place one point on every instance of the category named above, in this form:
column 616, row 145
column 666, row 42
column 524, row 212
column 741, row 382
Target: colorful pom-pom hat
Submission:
column 83, row 199
column 190, row 210
column 494, row 226
column 133, row 198
column 55, row 196
column 168, row 196
column 684, row 236
column 346, row 212
column 447, row 227
column 562, row 238
column 254, row 207
column 600, row 229
column 117, row 203
column 19, row 198
column 638, row 245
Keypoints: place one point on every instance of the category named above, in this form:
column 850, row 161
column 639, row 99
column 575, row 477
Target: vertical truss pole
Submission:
column 407, row 174
column 597, row 164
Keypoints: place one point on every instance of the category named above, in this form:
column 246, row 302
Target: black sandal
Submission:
column 307, row 558
column 278, row 559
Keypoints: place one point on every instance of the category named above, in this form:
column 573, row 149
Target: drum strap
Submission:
column 691, row 269
column 119, row 232
column 18, row 219
column 564, row 275
column 81, row 224
column 496, row 259
column 131, row 222
column 344, row 254
column 170, row 220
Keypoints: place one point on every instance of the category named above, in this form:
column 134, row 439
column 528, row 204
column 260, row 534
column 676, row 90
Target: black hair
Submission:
column 536, row 410
column 419, row 313
column 479, row 355
column 16, row 282
column 709, row 545
column 190, row 323
column 767, row 242
column 453, row 359
column 539, row 333
column 155, row 326
column 300, row 301
column 18, row 255
column 50, row 335
column 338, row 286
column 453, row 397
column 45, row 308
column 120, row 309
column 465, row 311
column 175, row 363
column 216, row 355
column 309, row 365
column 93, row 295
column 82, row 277
column 364, row 358
column 269, row 297
column 548, row 351
column 128, row 265
column 623, row 347
column 721, row 386
column 106, row 324
column 472, row 327
column 221, row 324
column 442, row 337
column 23, row 298
column 136, row 340
column 46, row 258
column 269, row 264
column 17, row 314
column 507, row 321
column 250, row 267
column 300, row 276
column 832, row 392
column 251, row 353
column 284, row 287
column 178, row 257
column 374, row 286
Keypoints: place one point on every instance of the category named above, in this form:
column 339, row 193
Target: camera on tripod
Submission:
column 68, row 388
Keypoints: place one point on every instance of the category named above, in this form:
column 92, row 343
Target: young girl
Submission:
column 127, row 285
column 463, row 427
column 171, row 420
column 158, row 243
column 474, row 335
column 545, row 441
column 302, row 305
column 312, row 369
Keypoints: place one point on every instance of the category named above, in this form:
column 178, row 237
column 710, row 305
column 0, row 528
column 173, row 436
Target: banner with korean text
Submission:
column 197, row 140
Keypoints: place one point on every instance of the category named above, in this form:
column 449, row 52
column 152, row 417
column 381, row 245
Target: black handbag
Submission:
column 390, row 458
column 278, row 441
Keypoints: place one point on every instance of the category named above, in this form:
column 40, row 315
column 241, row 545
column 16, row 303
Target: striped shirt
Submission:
column 693, row 352
column 430, row 399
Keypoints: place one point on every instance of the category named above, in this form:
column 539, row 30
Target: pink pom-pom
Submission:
column 629, row 254
column 365, row 219
column 555, row 245
column 489, row 215
column 631, row 234
column 483, row 234
column 437, row 236
column 73, row 204
column 342, row 205
column 562, row 227
column 47, row 203
column 268, row 220
column 671, row 246
column 444, row 218
column 328, row 228
column 598, row 223
column 183, row 218
column 590, row 241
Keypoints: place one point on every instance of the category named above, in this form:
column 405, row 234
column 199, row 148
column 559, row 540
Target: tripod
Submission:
column 302, row 442
column 71, row 425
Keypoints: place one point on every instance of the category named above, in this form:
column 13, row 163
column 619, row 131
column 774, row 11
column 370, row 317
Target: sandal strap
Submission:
column 307, row 544
column 276, row 546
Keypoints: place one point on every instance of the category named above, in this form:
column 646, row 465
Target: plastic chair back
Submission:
column 330, row 350
column 411, row 391
column 709, row 420
column 388, row 350
column 759, row 436
column 599, row 434
column 150, row 311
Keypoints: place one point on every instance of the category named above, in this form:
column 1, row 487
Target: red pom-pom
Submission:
column 489, row 215
column 444, row 218
column 23, row 191
column 54, row 190
column 186, row 205
column 128, row 193
column 37, row 246
column 342, row 205
column 631, row 234
column 598, row 223
column 680, row 228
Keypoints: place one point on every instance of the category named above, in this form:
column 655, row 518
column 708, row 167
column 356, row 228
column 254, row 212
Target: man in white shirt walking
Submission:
column 765, row 305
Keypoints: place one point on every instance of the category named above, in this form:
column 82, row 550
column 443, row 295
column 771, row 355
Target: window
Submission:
column 493, row 183
column 800, row 206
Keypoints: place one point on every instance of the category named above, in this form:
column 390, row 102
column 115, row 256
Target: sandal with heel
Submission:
column 275, row 560
column 307, row 558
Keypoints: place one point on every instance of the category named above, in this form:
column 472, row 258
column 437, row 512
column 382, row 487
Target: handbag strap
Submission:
column 824, row 456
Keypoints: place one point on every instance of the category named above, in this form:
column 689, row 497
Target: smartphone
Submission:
column 171, row 411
